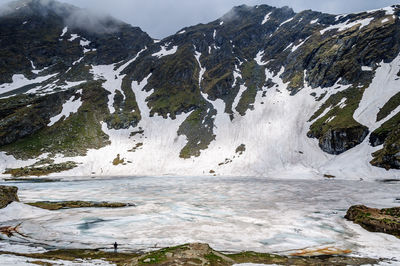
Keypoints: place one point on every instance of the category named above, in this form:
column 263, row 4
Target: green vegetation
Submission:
column 389, row 156
column 72, row 136
column 376, row 220
column 77, row 255
column 117, row 160
column 41, row 170
column 343, row 117
column 173, row 81
column 198, row 128
column 193, row 254
column 390, row 106
column 255, row 257
column 136, row 147
column 254, row 78
column 127, row 113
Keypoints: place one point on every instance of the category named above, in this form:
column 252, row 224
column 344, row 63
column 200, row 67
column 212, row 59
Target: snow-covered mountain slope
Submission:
column 262, row 91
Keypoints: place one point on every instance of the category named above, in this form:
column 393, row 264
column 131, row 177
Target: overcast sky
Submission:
column 161, row 18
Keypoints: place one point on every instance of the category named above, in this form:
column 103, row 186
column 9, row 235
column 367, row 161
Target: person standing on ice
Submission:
column 115, row 247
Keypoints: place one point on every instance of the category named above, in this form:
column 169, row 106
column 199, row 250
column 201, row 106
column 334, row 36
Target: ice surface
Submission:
column 230, row 213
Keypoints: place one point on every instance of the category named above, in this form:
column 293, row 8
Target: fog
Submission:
column 161, row 18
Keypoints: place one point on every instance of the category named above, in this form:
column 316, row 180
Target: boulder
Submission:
column 7, row 195
column 376, row 220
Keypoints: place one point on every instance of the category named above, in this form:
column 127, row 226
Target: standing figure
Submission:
column 115, row 247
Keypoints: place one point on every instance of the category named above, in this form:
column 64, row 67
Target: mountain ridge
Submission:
column 202, row 85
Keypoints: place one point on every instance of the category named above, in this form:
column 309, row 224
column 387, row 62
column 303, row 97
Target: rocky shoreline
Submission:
column 189, row 254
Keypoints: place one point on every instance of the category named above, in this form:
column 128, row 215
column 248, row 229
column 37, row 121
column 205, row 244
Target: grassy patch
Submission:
column 72, row 136
column 391, row 105
column 41, row 170
column 254, row 78
column 118, row 160
column 343, row 117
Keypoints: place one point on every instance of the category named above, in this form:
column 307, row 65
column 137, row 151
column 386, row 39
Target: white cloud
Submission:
column 161, row 18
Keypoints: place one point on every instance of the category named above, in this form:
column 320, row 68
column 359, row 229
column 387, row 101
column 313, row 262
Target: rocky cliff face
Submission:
column 254, row 75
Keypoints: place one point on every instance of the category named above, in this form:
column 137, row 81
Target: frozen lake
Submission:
column 231, row 214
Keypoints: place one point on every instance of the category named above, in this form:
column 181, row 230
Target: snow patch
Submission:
column 342, row 104
column 19, row 81
column 347, row 25
column 65, row 30
column 113, row 78
column 314, row 21
column 388, row 10
column 202, row 69
column 69, row 107
column 73, row 37
column 295, row 47
column 164, row 51
column 382, row 88
column 366, row 68
column 286, row 21
column 84, row 42
column 266, row 18
column 259, row 57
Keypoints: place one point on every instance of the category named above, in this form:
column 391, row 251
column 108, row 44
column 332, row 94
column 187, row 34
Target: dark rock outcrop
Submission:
column 337, row 141
column 376, row 220
column 7, row 195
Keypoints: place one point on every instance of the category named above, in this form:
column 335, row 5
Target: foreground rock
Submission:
column 192, row 254
column 57, row 205
column 376, row 220
column 7, row 195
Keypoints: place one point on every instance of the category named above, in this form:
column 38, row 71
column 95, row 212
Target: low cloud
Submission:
column 84, row 19
column 161, row 18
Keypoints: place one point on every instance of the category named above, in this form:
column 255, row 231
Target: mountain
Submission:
column 261, row 91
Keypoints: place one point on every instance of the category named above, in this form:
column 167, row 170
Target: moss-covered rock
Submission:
column 57, row 205
column 375, row 220
column 41, row 170
column 7, row 195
